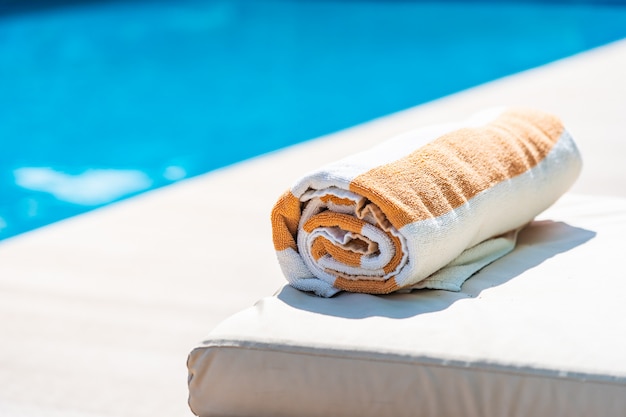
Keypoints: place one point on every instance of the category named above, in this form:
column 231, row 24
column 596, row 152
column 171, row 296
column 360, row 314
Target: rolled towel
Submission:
column 426, row 209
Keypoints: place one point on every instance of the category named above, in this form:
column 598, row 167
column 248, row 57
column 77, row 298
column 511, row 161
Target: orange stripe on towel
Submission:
column 337, row 200
column 366, row 286
column 454, row 168
column 332, row 219
column 318, row 249
column 397, row 256
column 348, row 255
column 322, row 246
column 285, row 218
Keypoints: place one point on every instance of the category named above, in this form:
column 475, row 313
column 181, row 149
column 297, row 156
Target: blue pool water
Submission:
column 103, row 100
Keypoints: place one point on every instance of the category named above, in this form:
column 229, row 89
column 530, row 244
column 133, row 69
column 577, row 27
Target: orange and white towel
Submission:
column 426, row 209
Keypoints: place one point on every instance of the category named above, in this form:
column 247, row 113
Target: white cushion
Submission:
column 540, row 332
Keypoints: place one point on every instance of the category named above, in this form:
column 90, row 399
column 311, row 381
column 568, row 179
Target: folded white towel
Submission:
column 426, row 209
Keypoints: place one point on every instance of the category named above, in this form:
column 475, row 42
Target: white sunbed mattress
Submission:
column 540, row 332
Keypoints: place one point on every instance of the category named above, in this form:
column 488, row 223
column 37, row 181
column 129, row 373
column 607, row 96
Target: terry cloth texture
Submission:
column 426, row 209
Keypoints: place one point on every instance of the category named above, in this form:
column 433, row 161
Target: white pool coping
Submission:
column 98, row 313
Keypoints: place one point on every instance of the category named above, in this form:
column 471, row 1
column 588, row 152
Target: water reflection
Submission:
column 92, row 187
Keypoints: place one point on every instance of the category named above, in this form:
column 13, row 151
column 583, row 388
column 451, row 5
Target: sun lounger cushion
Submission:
column 539, row 332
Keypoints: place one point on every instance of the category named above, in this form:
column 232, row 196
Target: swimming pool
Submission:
column 104, row 100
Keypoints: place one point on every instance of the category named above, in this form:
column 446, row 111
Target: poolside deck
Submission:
column 98, row 313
